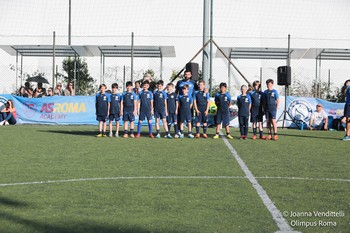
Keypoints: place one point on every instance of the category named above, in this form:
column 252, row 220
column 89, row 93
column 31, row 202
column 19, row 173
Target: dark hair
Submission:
column 170, row 84
column 26, row 84
column 102, row 85
column 184, row 87
column 115, row 85
column 186, row 71
column 40, row 85
column 269, row 81
column 128, row 84
column 256, row 83
column 138, row 82
column 343, row 89
column 223, row 85
column 160, row 82
column 145, row 82
column 201, row 81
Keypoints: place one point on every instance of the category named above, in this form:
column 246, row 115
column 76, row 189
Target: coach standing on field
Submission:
column 192, row 85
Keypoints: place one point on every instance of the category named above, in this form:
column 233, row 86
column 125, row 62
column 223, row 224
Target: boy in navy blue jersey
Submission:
column 223, row 103
column 172, row 105
column 256, row 111
column 184, row 112
column 346, row 89
column 128, row 108
column 201, row 102
column 114, row 110
column 145, row 109
column 102, row 110
column 161, row 109
column 271, row 101
column 244, row 104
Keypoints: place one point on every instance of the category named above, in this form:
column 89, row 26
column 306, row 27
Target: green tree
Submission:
column 84, row 84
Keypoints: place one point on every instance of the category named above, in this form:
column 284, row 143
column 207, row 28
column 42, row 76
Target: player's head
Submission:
column 102, row 88
column 115, row 87
column 188, row 74
column 223, row 87
column 256, row 85
column 128, row 86
column 244, row 88
column 201, row 85
column 319, row 107
column 160, row 84
column 170, row 87
column 145, row 85
column 185, row 89
column 347, row 83
column 269, row 83
column 137, row 84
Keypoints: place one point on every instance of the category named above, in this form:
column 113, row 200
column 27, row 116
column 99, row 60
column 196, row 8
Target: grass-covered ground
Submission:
column 161, row 185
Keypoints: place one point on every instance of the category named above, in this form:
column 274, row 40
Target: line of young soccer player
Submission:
column 177, row 108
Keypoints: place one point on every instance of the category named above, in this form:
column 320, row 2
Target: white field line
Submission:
column 166, row 177
column 302, row 178
column 281, row 222
column 122, row 178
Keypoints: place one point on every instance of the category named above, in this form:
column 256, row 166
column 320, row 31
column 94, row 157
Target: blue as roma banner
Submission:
column 55, row 110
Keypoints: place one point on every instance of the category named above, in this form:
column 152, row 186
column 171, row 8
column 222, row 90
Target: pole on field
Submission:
column 53, row 58
column 70, row 23
column 132, row 57
column 205, row 54
column 286, row 86
column 211, row 47
column 17, row 71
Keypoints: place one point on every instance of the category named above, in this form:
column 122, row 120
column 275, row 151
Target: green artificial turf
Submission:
column 75, row 182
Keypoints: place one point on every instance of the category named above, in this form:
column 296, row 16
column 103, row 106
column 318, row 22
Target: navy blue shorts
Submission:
column 347, row 110
column 201, row 118
column 128, row 116
column 160, row 115
column 185, row 117
column 144, row 115
column 113, row 117
column 222, row 117
column 256, row 118
column 171, row 118
column 102, row 118
column 271, row 114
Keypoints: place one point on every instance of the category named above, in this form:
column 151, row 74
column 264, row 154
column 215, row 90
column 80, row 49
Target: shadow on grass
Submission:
column 71, row 132
column 70, row 227
column 308, row 136
column 11, row 202
column 94, row 133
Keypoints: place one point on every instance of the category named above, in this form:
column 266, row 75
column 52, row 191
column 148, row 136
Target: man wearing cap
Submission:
column 319, row 119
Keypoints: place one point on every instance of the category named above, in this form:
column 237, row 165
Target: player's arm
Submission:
column 250, row 102
column 229, row 101
column 191, row 101
column 176, row 106
column 135, row 107
column 195, row 105
column 152, row 106
column 277, row 100
column 121, row 105
column 166, row 107
column 208, row 106
column 108, row 111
